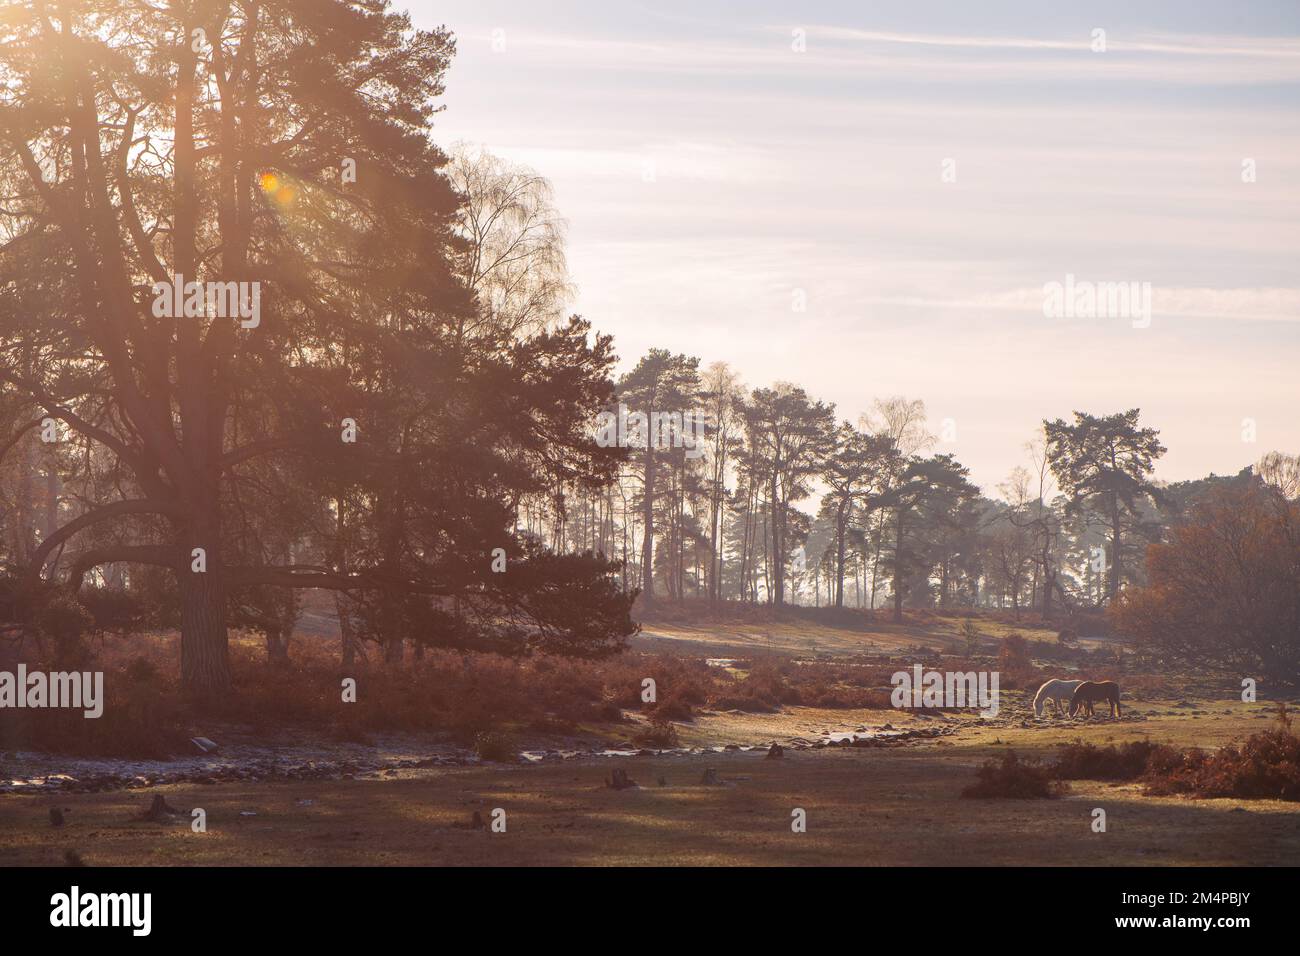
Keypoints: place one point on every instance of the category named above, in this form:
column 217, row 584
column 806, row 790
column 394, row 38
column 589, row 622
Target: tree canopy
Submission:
column 312, row 415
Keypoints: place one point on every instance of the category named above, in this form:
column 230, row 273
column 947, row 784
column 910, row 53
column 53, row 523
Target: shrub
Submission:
column 1014, row 778
column 1015, row 662
column 1144, row 686
column 1266, row 766
column 660, row 734
column 139, row 720
column 64, row 622
column 673, row 708
column 763, row 690
column 496, row 746
column 1081, row 761
column 1014, row 653
column 1222, row 589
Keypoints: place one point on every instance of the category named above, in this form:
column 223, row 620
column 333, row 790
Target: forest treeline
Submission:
column 777, row 501
column 409, row 421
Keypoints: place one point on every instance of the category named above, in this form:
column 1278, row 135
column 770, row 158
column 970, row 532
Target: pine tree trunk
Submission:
column 205, row 663
column 839, row 558
column 345, row 629
column 394, row 646
column 53, row 491
column 778, row 543
column 647, row 530
column 1049, row 580
column 22, row 533
column 875, row 560
column 277, row 648
column 1114, row 547
column 898, row 571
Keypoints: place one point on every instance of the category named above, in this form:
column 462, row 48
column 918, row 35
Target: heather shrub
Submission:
column 1266, row 766
column 1013, row 777
column 673, row 707
column 660, row 734
column 1015, row 662
column 1128, row 761
column 140, row 719
column 496, row 746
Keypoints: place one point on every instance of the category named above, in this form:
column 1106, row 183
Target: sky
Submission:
column 913, row 174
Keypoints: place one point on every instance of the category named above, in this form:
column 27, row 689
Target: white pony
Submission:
column 1055, row 690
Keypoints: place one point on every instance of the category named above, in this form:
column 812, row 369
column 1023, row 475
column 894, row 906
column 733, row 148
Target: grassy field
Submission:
column 809, row 637
column 897, row 806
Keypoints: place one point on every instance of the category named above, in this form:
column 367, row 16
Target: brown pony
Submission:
column 1091, row 692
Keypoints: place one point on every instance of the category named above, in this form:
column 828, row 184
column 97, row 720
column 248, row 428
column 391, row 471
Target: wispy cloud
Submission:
column 1187, row 45
column 820, row 172
column 1250, row 305
column 839, row 51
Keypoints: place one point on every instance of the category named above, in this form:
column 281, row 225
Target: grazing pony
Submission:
column 1090, row 692
column 1055, row 690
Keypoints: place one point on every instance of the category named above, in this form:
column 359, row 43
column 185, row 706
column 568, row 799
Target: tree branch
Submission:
column 133, row 506
column 153, row 554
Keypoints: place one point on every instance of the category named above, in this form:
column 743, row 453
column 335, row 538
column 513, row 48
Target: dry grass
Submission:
column 865, row 807
column 462, row 695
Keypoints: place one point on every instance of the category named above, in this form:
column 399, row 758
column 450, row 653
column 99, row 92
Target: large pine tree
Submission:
column 285, row 145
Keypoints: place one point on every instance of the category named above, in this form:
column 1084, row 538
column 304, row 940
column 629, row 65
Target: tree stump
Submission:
column 159, row 811
column 619, row 780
